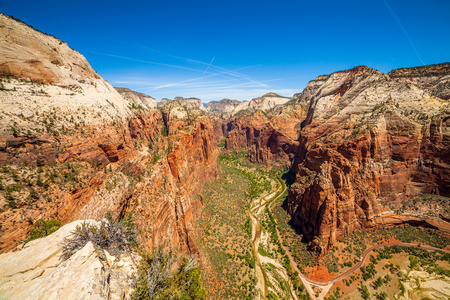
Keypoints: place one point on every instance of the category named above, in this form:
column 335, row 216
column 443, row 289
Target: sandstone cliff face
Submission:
column 434, row 78
column 222, row 106
column 46, row 84
column 37, row 271
column 228, row 108
column 72, row 148
column 267, row 140
column 27, row 53
column 136, row 98
column 189, row 103
column 367, row 143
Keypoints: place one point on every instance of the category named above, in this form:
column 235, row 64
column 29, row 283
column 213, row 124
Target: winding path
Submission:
column 256, row 235
column 268, row 200
column 326, row 285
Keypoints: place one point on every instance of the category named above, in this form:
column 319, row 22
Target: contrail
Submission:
column 208, row 66
column 144, row 61
column 259, row 84
column 225, row 71
column 403, row 29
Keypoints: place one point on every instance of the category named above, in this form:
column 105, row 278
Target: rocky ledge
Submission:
column 38, row 272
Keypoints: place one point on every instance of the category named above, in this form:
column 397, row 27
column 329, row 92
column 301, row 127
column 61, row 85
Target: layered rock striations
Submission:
column 138, row 99
column 226, row 108
column 28, row 53
column 434, row 78
column 268, row 139
column 187, row 103
column 368, row 141
column 71, row 147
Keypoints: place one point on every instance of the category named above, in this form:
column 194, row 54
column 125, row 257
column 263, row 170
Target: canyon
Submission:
column 355, row 146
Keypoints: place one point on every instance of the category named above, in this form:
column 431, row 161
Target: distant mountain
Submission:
column 136, row 98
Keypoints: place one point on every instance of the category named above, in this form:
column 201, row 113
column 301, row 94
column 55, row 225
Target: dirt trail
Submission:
column 258, row 206
column 326, row 285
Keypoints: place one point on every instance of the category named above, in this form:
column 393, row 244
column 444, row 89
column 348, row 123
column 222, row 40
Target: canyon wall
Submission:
column 269, row 137
column 71, row 147
column 434, row 78
column 367, row 143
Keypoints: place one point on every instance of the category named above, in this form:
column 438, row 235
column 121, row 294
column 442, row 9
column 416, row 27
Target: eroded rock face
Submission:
column 187, row 103
column 38, row 272
column 28, row 53
column 434, row 78
column 76, row 152
column 136, row 98
column 227, row 108
column 367, row 143
column 222, row 106
column 265, row 142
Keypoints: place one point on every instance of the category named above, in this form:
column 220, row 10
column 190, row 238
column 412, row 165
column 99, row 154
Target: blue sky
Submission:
column 240, row 49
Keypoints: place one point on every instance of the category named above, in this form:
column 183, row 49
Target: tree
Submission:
column 364, row 292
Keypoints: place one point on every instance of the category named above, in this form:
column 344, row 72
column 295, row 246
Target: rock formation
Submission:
column 270, row 135
column 368, row 142
column 38, row 272
column 222, row 106
column 265, row 142
column 33, row 55
column 71, row 147
column 228, row 108
column 434, row 78
column 186, row 103
column 138, row 99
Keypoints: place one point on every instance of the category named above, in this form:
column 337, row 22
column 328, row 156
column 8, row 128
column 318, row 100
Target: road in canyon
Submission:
column 325, row 285
column 256, row 211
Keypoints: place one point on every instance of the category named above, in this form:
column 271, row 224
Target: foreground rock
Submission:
column 37, row 271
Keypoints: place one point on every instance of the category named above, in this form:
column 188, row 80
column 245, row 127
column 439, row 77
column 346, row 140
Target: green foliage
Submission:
column 155, row 158
column 364, row 292
column 136, row 106
column 12, row 203
column 159, row 278
column 248, row 257
column 348, row 264
column 222, row 143
column 378, row 282
column 39, row 162
column 42, row 228
column 410, row 234
column 248, row 227
column 413, row 262
column 368, row 272
column 164, row 131
column 381, row 295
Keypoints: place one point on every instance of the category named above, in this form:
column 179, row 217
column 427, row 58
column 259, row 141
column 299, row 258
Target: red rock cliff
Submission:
column 268, row 139
column 367, row 143
column 72, row 148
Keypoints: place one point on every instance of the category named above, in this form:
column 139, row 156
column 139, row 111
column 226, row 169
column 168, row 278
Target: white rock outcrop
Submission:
column 37, row 272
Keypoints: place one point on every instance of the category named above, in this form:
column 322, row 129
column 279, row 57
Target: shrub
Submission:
column 42, row 228
column 364, row 292
column 157, row 279
column 114, row 236
column 164, row 131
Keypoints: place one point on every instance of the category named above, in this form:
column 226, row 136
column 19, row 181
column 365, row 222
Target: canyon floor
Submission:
column 249, row 250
